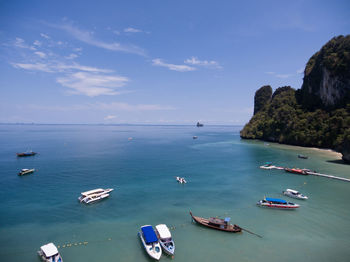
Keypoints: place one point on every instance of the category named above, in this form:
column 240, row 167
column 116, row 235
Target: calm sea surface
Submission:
column 223, row 177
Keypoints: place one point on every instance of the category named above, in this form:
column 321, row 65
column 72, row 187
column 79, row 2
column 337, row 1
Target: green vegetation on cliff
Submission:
column 318, row 114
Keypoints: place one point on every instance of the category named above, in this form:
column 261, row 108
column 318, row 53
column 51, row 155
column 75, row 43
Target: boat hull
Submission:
column 169, row 247
column 278, row 206
column 154, row 251
column 30, row 171
column 57, row 258
column 26, row 154
column 205, row 222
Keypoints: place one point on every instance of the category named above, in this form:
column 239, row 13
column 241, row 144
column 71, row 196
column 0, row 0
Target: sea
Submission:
column 141, row 163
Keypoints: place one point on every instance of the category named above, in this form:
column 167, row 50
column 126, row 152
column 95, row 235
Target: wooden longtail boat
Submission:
column 217, row 223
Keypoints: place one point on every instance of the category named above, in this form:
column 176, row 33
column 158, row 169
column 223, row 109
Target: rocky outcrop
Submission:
column 262, row 97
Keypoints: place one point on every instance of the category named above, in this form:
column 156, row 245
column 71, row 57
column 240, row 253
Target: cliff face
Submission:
column 327, row 76
column 318, row 114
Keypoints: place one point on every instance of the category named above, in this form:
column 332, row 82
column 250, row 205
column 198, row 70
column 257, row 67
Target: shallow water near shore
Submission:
column 223, row 177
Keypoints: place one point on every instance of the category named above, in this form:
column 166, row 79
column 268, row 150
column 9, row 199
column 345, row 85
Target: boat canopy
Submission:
column 149, row 234
column 163, row 231
column 292, row 191
column 276, row 200
column 49, row 250
column 227, row 219
column 94, row 191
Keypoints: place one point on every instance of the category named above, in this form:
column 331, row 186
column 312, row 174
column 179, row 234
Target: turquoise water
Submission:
column 223, row 180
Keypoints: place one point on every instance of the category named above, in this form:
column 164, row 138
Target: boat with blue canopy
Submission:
column 276, row 203
column 150, row 242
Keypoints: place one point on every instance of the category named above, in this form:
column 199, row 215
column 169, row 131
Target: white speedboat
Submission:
column 26, row 171
column 95, row 195
column 150, row 242
column 181, row 180
column 49, row 253
column 165, row 239
column 294, row 194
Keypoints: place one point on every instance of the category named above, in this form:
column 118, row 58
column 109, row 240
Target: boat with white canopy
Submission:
column 49, row 253
column 294, row 194
column 165, row 239
column 150, row 242
column 26, row 171
column 94, row 195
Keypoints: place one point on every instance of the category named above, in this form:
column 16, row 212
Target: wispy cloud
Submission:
column 89, row 38
column 283, row 76
column 45, row 36
column 132, row 30
column 33, row 67
column 300, row 70
column 71, row 56
column 20, row 43
column 37, row 43
column 92, row 84
column 179, row 68
column 196, row 62
column 40, row 54
column 110, row 117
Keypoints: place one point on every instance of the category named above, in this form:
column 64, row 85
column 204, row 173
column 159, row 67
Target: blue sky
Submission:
column 154, row 62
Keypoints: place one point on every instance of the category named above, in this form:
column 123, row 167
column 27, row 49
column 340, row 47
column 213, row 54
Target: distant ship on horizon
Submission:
column 199, row 124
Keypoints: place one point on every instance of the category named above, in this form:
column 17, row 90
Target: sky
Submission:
column 155, row 61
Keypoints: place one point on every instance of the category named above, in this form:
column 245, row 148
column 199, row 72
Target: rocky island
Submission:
column 317, row 114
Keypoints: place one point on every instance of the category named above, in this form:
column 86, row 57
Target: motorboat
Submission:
column 199, row 124
column 49, row 253
column 165, row 239
column 94, row 195
column 27, row 153
column 294, row 194
column 303, row 157
column 150, row 242
column 181, row 180
column 297, row 171
column 217, row 223
column 195, row 137
column 26, row 171
column 276, row 203
column 268, row 165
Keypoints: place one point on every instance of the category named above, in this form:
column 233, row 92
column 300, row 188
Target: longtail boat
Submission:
column 217, row 223
column 296, row 171
column 28, row 153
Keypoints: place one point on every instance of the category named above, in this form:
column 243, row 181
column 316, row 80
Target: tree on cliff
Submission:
column 262, row 97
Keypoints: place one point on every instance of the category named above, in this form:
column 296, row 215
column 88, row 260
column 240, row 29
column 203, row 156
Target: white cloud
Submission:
column 71, row 56
column 92, row 84
column 195, row 61
column 88, row 38
column 33, row 67
column 20, row 43
column 179, row 68
column 110, row 117
column 116, row 32
column 41, row 54
column 37, row 43
column 45, row 36
column 270, row 73
column 78, row 49
column 283, row 75
column 132, row 30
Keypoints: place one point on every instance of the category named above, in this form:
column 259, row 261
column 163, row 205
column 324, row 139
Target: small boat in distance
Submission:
column 150, row 242
column 27, row 153
column 276, row 203
column 195, row 137
column 294, row 194
column 26, row 171
column 181, row 180
column 94, row 195
column 199, row 124
column 165, row 239
column 268, row 165
column 303, row 157
column 217, row 223
column 49, row 253
column 296, row 171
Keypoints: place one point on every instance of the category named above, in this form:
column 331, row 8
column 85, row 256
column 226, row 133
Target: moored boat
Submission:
column 303, row 157
column 294, row 194
column 296, row 171
column 268, row 165
column 150, row 242
column 28, row 153
column 26, row 171
column 195, row 137
column 165, row 239
column 277, row 203
column 94, row 195
column 49, row 253
column 217, row 223
column 181, row 180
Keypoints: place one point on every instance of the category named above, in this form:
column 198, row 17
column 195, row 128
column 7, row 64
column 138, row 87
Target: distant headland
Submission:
column 318, row 114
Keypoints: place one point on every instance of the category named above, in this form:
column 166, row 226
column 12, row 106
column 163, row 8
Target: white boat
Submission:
column 150, row 242
column 49, row 253
column 294, row 194
column 94, row 195
column 165, row 239
column 26, row 171
column 181, row 180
